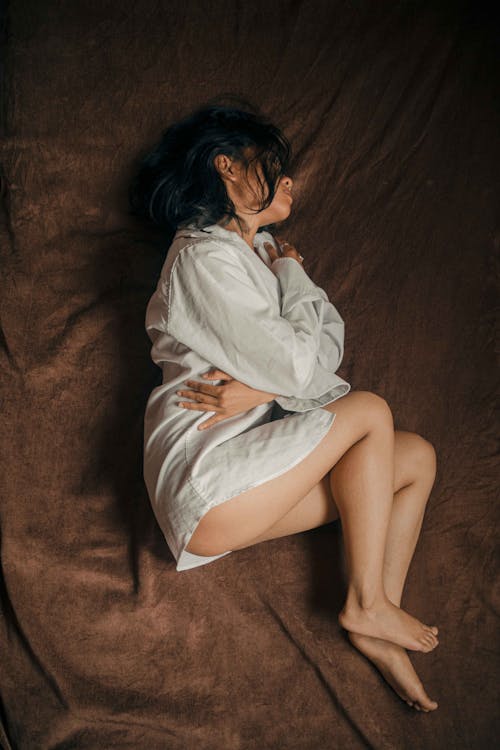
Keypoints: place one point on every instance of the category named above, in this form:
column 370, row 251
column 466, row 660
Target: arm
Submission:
column 215, row 308
column 330, row 355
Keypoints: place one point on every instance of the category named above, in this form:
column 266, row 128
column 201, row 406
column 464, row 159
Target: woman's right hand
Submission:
column 234, row 397
column 287, row 250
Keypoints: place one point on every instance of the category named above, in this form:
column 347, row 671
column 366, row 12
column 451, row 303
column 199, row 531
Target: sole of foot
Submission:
column 396, row 668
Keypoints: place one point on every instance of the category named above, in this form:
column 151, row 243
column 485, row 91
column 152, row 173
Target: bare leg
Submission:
column 414, row 475
column 362, row 484
column 360, row 446
column 406, row 520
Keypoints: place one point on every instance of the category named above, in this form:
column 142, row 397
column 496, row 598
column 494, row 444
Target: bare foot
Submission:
column 395, row 666
column 390, row 623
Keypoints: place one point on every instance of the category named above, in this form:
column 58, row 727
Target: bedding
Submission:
column 390, row 110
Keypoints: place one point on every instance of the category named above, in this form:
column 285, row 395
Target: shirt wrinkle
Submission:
column 271, row 328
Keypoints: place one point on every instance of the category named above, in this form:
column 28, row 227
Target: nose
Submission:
column 288, row 182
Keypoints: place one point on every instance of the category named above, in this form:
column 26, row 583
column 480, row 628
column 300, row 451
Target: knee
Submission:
column 423, row 457
column 375, row 409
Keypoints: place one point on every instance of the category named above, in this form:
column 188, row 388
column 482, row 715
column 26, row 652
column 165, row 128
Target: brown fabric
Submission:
column 389, row 106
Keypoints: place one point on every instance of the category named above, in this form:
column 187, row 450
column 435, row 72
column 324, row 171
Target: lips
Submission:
column 288, row 192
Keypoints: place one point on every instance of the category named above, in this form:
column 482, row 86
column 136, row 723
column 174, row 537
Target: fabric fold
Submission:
column 220, row 310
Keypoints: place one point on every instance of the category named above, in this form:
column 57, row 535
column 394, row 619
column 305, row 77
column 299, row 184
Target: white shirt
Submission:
column 267, row 324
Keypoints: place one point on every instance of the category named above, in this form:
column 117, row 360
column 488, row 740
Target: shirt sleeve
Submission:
column 331, row 336
column 217, row 310
column 322, row 390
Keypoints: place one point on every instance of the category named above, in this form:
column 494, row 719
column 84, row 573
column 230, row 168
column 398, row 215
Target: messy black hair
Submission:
column 177, row 182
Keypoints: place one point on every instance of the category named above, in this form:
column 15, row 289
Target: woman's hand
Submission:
column 287, row 250
column 227, row 400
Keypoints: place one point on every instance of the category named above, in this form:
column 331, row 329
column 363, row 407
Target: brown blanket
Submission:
column 389, row 107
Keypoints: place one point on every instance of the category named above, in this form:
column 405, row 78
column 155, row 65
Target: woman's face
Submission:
column 246, row 193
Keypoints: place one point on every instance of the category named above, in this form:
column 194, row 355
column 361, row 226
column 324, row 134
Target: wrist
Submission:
column 268, row 397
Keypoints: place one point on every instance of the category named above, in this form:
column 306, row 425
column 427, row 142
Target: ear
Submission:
column 224, row 166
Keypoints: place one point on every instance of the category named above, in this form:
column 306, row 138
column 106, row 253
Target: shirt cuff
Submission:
column 291, row 403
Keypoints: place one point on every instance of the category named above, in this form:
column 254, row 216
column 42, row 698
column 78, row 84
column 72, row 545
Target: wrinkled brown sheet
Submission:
column 389, row 106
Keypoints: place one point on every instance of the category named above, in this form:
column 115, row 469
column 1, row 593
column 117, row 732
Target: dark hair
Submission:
column 177, row 182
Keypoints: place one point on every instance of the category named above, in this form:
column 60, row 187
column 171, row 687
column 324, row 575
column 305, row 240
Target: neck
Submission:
column 250, row 229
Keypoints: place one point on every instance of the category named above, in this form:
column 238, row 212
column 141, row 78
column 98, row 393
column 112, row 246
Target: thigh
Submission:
column 318, row 507
column 236, row 522
column 313, row 510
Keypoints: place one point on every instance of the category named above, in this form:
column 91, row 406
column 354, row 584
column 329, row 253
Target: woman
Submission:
column 232, row 297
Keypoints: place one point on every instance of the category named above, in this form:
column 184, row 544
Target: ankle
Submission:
column 361, row 597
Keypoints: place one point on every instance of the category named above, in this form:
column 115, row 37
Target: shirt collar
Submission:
column 229, row 236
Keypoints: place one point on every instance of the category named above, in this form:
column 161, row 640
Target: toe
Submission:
column 426, row 646
column 427, row 704
column 423, row 700
column 431, row 640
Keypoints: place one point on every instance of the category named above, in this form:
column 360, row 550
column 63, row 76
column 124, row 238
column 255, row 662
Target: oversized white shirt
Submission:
column 267, row 324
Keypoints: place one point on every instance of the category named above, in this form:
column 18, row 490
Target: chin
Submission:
column 278, row 214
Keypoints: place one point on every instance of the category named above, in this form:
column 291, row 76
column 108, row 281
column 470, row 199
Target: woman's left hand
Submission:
column 227, row 400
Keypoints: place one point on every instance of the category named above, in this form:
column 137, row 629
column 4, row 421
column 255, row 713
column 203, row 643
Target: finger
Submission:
column 210, row 422
column 283, row 245
column 198, row 406
column 216, row 375
column 282, row 241
column 199, row 397
column 286, row 247
column 200, row 388
column 273, row 253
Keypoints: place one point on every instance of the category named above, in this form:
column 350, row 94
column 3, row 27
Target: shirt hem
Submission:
column 187, row 560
